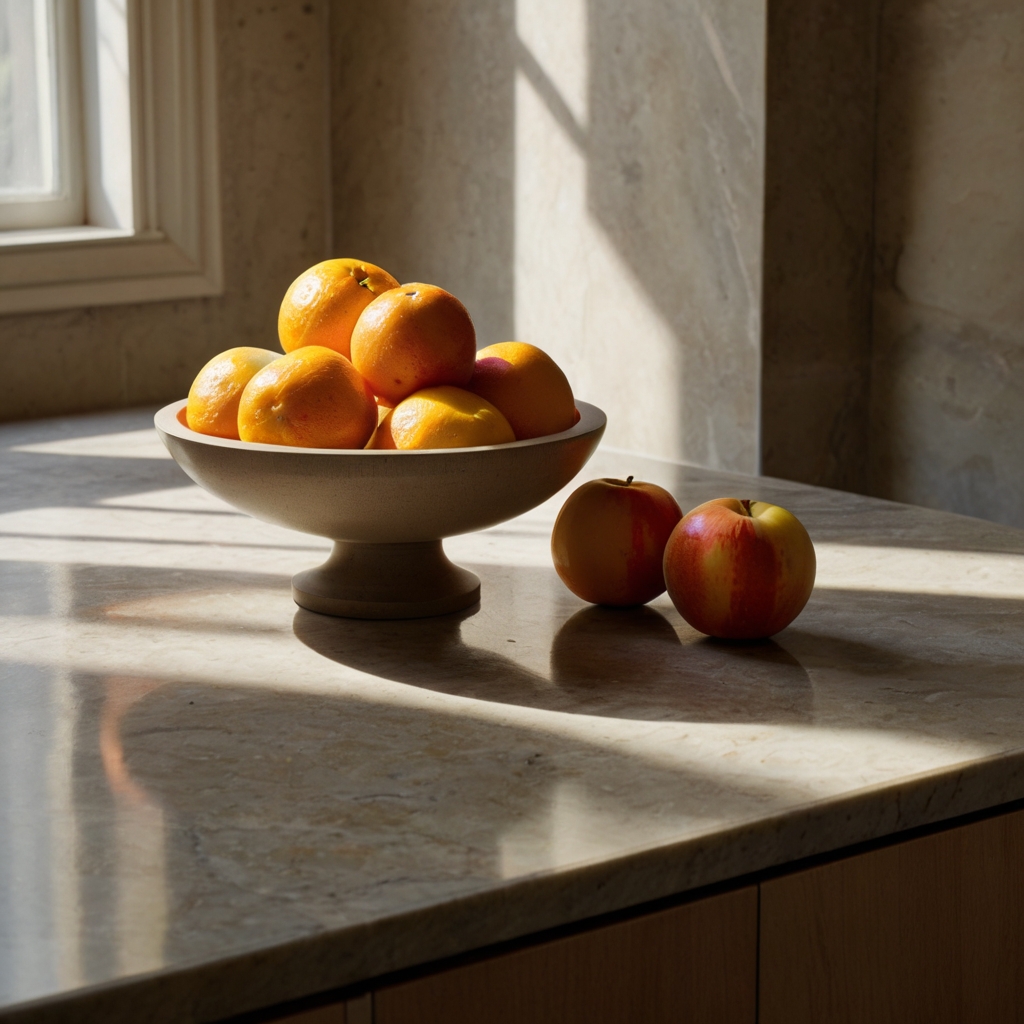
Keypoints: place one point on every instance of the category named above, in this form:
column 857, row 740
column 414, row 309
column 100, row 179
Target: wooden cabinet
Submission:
column 695, row 962
column 352, row 1011
column 928, row 930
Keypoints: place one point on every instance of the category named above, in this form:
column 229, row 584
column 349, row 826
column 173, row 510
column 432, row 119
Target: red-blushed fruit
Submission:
column 527, row 385
column 739, row 570
column 609, row 539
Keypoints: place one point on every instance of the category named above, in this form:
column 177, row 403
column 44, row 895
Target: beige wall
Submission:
column 274, row 200
column 820, row 107
column 894, row 251
column 586, row 176
column 947, row 425
column 615, row 182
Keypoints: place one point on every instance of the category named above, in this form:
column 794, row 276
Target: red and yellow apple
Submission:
column 609, row 538
column 738, row 569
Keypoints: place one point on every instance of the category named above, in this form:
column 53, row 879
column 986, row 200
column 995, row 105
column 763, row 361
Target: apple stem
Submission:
column 629, row 480
column 745, row 502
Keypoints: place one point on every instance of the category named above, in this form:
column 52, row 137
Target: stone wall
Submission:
column 586, row 176
column 789, row 232
column 272, row 95
column 820, row 106
column 947, row 413
column 894, row 247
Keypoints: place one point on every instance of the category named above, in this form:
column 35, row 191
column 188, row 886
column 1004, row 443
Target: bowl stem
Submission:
column 386, row 581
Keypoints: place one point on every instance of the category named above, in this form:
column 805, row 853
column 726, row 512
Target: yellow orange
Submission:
column 311, row 398
column 526, row 384
column 442, row 417
column 323, row 304
column 213, row 398
column 413, row 337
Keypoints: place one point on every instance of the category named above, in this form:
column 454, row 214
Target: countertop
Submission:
column 211, row 801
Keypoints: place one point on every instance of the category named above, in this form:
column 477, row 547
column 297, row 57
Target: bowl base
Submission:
column 386, row 581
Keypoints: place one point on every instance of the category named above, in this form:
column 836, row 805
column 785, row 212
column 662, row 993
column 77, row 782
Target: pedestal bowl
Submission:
column 386, row 512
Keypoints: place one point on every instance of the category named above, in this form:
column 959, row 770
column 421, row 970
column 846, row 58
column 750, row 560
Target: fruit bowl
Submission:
column 386, row 511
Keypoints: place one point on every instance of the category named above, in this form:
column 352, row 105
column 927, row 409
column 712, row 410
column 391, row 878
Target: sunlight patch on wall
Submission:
column 575, row 296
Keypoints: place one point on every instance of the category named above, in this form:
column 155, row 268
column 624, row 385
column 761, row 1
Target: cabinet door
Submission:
column 928, row 930
column 695, row 962
column 352, row 1011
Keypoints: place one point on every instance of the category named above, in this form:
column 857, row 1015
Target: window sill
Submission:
column 65, row 268
column 58, row 236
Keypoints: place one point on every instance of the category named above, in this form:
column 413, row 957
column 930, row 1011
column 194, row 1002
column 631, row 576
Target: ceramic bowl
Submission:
column 385, row 511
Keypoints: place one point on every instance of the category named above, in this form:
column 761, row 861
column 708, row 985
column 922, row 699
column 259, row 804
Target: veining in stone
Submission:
column 214, row 801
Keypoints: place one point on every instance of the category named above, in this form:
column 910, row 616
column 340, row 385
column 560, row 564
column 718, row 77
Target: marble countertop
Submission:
column 211, row 801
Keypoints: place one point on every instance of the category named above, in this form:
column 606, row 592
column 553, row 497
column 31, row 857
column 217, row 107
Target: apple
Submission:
column 609, row 539
column 739, row 569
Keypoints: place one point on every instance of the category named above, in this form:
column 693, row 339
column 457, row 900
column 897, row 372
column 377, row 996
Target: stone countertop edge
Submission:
column 262, row 978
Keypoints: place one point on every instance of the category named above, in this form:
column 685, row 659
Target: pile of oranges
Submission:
column 370, row 363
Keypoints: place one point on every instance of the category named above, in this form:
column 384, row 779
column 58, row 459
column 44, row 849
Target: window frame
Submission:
column 172, row 248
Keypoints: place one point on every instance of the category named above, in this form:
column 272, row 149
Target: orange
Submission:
column 213, row 398
column 442, row 417
column 322, row 305
column 310, row 398
column 413, row 337
column 527, row 385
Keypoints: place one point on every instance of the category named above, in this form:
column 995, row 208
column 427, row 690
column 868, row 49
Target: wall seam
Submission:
column 869, row 478
column 759, row 420
column 757, row 961
column 328, row 135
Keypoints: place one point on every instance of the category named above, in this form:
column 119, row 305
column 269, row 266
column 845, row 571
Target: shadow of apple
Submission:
column 619, row 663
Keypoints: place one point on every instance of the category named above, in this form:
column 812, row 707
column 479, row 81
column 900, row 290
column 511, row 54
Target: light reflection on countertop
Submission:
column 194, row 771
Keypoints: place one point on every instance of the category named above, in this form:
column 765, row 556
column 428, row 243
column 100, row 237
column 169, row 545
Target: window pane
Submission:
column 27, row 121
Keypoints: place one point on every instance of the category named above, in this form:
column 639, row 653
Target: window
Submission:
column 40, row 179
column 108, row 162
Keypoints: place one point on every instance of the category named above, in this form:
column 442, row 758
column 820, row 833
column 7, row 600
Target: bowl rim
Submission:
column 592, row 420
